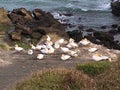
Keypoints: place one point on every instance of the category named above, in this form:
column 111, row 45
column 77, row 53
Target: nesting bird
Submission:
column 65, row 57
column 64, row 49
column 97, row 57
column 40, row 56
column 92, row 50
column 17, row 48
column 32, row 46
column 84, row 41
column 30, row 52
column 72, row 44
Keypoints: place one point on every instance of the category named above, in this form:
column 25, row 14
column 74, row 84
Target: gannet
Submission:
column 40, row 56
column 84, row 41
column 50, row 49
column 32, row 46
column 65, row 57
column 61, row 41
column 17, row 48
column 44, row 50
column 98, row 57
column 56, row 45
column 49, row 43
column 64, row 49
column 92, row 50
column 73, row 53
column 48, row 38
column 38, row 47
column 72, row 45
column 30, row 52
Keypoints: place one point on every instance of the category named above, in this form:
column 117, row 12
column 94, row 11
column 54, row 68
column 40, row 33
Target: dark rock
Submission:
column 114, row 25
column 35, row 24
column 68, row 14
column 113, row 32
column 118, row 29
column 106, row 39
column 80, row 27
column 90, row 30
column 103, row 27
column 76, row 35
column 115, row 5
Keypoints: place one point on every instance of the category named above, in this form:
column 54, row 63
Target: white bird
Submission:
column 44, row 50
column 51, row 49
column 84, row 41
column 56, row 45
column 32, row 46
column 49, row 43
column 38, row 47
column 97, row 57
column 61, row 41
column 48, row 38
column 65, row 57
column 40, row 56
column 17, row 48
column 30, row 52
column 72, row 45
column 92, row 50
column 64, row 49
column 73, row 53
column 71, row 40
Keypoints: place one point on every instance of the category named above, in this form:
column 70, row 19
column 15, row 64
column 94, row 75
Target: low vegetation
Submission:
column 93, row 68
column 57, row 79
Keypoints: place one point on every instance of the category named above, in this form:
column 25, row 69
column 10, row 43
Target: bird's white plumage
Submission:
column 17, row 48
column 64, row 49
column 32, row 46
column 84, row 41
column 56, row 45
column 30, row 52
column 40, row 56
column 97, row 57
column 92, row 49
column 65, row 57
column 48, row 38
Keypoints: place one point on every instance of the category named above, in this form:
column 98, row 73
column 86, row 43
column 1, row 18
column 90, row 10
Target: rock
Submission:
column 118, row 29
column 103, row 27
column 76, row 35
column 106, row 39
column 114, row 25
column 90, row 30
column 35, row 24
column 115, row 5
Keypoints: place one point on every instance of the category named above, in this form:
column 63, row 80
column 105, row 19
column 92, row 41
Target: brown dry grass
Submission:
column 57, row 79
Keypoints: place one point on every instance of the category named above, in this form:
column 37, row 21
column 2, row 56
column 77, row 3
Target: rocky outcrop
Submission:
column 34, row 24
column 115, row 5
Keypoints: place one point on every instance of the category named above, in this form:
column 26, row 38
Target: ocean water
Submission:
column 93, row 13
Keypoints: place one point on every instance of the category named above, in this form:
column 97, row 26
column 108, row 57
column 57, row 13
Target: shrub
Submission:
column 93, row 68
column 57, row 79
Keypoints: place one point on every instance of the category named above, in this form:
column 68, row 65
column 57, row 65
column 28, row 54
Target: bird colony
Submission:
column 69, row 49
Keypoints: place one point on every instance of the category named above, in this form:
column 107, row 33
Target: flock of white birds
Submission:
column 67, row 47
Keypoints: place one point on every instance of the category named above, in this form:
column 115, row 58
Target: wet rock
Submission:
column 118, row 29
column 35, row 24
column 106, row 39
column 76, row 35
column 90, row 30
column 115, row 5
column 80, row 27
column 103, row 27
column 114, row 25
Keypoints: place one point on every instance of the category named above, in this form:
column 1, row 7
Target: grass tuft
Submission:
column 57, row 79
column 93, row 68
column 110, row 80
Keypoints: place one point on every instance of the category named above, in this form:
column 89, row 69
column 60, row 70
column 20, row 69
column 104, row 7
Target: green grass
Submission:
column 56, row 79
column 110, row 80
column 93, row 68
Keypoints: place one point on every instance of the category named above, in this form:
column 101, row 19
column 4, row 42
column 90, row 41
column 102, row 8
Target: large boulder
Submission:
column 35, row 24
column 115, row 5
